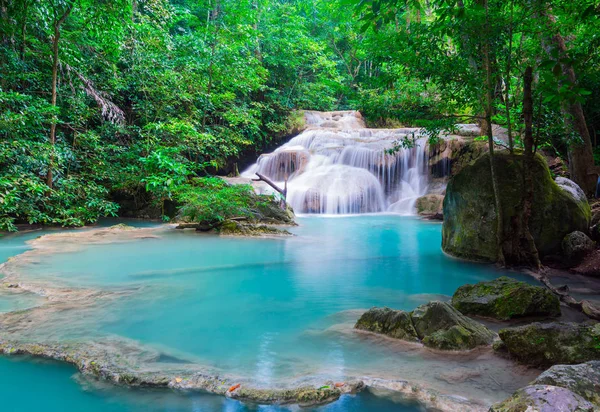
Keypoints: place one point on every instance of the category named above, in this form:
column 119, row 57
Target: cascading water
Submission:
column 338, row 166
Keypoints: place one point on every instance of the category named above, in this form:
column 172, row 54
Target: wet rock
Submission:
column 576, row 245
column 441, row 326
column 393, row 323
column 437, row 324
column 543, row 398
column 470, row 220
column 235, row 228
column 430, row 205
column 505, row 298
column 546, row 344
column 582, row 379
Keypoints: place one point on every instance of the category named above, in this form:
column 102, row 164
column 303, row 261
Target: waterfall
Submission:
column 338, row 166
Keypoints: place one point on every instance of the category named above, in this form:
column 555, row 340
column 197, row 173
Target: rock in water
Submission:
column 582, row 379
column 469, row 229
column 543, row 398
column 430, row 205
column 577, row 245
column 441, row 326
column 437, row 324
column 505, row 298
column 546, row 344
column 393, row 323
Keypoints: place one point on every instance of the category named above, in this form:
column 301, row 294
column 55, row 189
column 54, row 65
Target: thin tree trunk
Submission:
column 488, row 120
column 528, row 250
column 55, row 41
column 508, row 70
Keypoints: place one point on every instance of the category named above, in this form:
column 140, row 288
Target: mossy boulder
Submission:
column 576, row 245
column 437, row 324
column 547, row 344
column 235, row 228
column 582, row 379
column 430, row 205
column 505, row 298
column 441, row 326
column 470, row 227
column 393, row 323
column 544, row 398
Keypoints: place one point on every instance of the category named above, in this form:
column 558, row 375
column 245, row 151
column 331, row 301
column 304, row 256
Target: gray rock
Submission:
column 441, row 326
column 546, row 344
column 576, row 245
column 595, row 232
column 543, row 398
column 582, row 379
column 393, row 323
column 505, row 298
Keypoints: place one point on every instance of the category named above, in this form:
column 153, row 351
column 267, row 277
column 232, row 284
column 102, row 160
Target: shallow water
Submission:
column 281, row 310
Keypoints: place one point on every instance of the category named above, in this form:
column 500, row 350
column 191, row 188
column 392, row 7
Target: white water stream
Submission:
column 339, row 166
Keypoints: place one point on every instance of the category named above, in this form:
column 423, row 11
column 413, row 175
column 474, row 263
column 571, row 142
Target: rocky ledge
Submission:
column 505, row 298
column 436, row 324
column 561, row 388
column 546, row 344
column 106, row 363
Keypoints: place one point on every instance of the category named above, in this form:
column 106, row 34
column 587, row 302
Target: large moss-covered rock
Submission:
column 505, row 298
column 437, row 324
column 393, row 323
column 546, row 344
column 543, row 398
column 582, row 379
column 470, row 227
column 441, row 326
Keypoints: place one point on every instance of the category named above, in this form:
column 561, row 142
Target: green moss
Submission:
column 505, row 298
column 470, row 221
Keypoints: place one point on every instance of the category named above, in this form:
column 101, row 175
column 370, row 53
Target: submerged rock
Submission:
column 505, row 298
column 393, row 323
column 470, row 226
column 582, row 379
column 437, row 324
column 441, row 326
column 546, row 344
column 543, row 398
column 576, row 245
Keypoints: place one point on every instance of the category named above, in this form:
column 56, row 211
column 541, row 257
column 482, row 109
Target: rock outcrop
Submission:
column 547, row 344
column 543, row 398
column 437, row 324
column 505, row 298
column 560, row 388
column 470, row 226
column 582, row 379
column 430, row 206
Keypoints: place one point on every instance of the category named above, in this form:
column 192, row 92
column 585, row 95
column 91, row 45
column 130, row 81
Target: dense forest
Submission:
column 110, row 106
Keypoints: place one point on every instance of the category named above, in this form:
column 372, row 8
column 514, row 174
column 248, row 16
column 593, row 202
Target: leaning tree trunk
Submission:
column 581, row 157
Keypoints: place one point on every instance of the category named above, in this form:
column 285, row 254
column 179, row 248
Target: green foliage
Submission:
column 211, row 200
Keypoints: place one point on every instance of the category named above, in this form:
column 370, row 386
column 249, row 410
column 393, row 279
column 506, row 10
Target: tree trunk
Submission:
column 55, row 41
column 528, row 250
column 581, row 157
column 488, row 121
